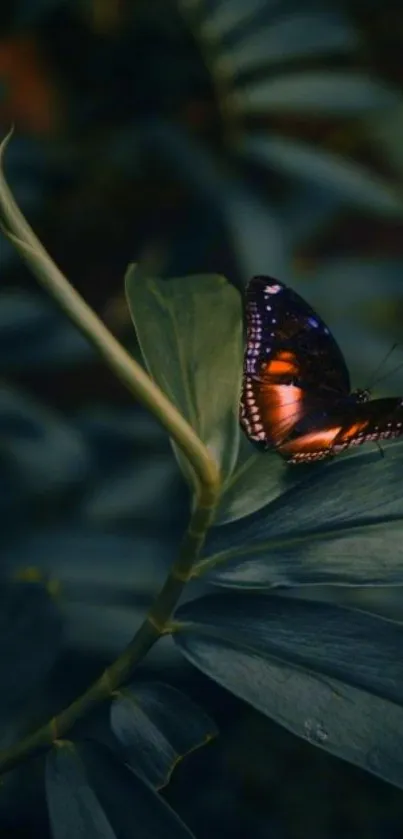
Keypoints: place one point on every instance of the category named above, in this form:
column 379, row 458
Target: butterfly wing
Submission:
column 351, row 424
column 293, row 366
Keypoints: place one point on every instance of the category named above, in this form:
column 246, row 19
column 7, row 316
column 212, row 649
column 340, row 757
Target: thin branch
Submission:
column 18, row 231
column 146, row 391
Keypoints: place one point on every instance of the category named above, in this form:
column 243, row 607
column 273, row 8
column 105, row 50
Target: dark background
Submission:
column 134, row 135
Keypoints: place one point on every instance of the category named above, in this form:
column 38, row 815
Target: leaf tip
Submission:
column 4, row 143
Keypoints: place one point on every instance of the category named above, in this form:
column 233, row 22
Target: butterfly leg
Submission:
column 381, row 451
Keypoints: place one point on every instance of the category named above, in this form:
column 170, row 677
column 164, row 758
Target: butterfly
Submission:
column 296, row 394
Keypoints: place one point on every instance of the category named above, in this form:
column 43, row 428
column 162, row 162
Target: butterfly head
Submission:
column 362, row 395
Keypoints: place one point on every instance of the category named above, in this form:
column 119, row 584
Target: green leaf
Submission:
column 331, row 675
column 190, row 334
column 297, row 35
column 226, row 17
column 351, row 287
column 386, row 133
column 91, row 795
column 316, row 91
column 345, row 178
column 157, row 726
column 256, row 234
column 74, row 809
column 342, row 524
column 255, row 481
column 45, row 453
column 353, row 646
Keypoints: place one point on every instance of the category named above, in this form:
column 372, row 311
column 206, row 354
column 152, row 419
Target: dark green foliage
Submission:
column 157, row 726
column 92, row 795
column 232, row 137
column 199, row 373
column 340, row 525
column 30, row 641
column 301, row 664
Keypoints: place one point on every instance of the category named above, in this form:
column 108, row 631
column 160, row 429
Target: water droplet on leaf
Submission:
column 315, row 732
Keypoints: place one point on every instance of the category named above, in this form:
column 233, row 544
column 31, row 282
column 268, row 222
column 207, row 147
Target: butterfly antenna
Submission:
column 389, row 373
column 373, row 379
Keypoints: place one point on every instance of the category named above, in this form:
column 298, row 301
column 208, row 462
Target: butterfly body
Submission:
column 296, row 393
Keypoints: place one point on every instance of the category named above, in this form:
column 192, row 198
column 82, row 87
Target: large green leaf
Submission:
column 91, row 795
column 342, row 524
column 198, row 363
column 190, row 334
column 256, row 480
column 156, row 726
column 331, row 675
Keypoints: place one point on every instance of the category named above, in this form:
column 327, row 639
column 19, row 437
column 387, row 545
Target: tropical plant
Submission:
column 331, row 674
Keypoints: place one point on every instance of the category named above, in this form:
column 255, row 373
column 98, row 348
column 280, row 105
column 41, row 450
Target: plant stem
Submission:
column 206, row 473
column 154, row 625
column 80, row 313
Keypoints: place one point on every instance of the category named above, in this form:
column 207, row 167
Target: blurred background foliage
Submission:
column 223, row 136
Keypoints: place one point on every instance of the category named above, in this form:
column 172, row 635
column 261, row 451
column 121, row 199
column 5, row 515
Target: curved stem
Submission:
column 206, row 472
column 155, row 624
column 18, row 231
